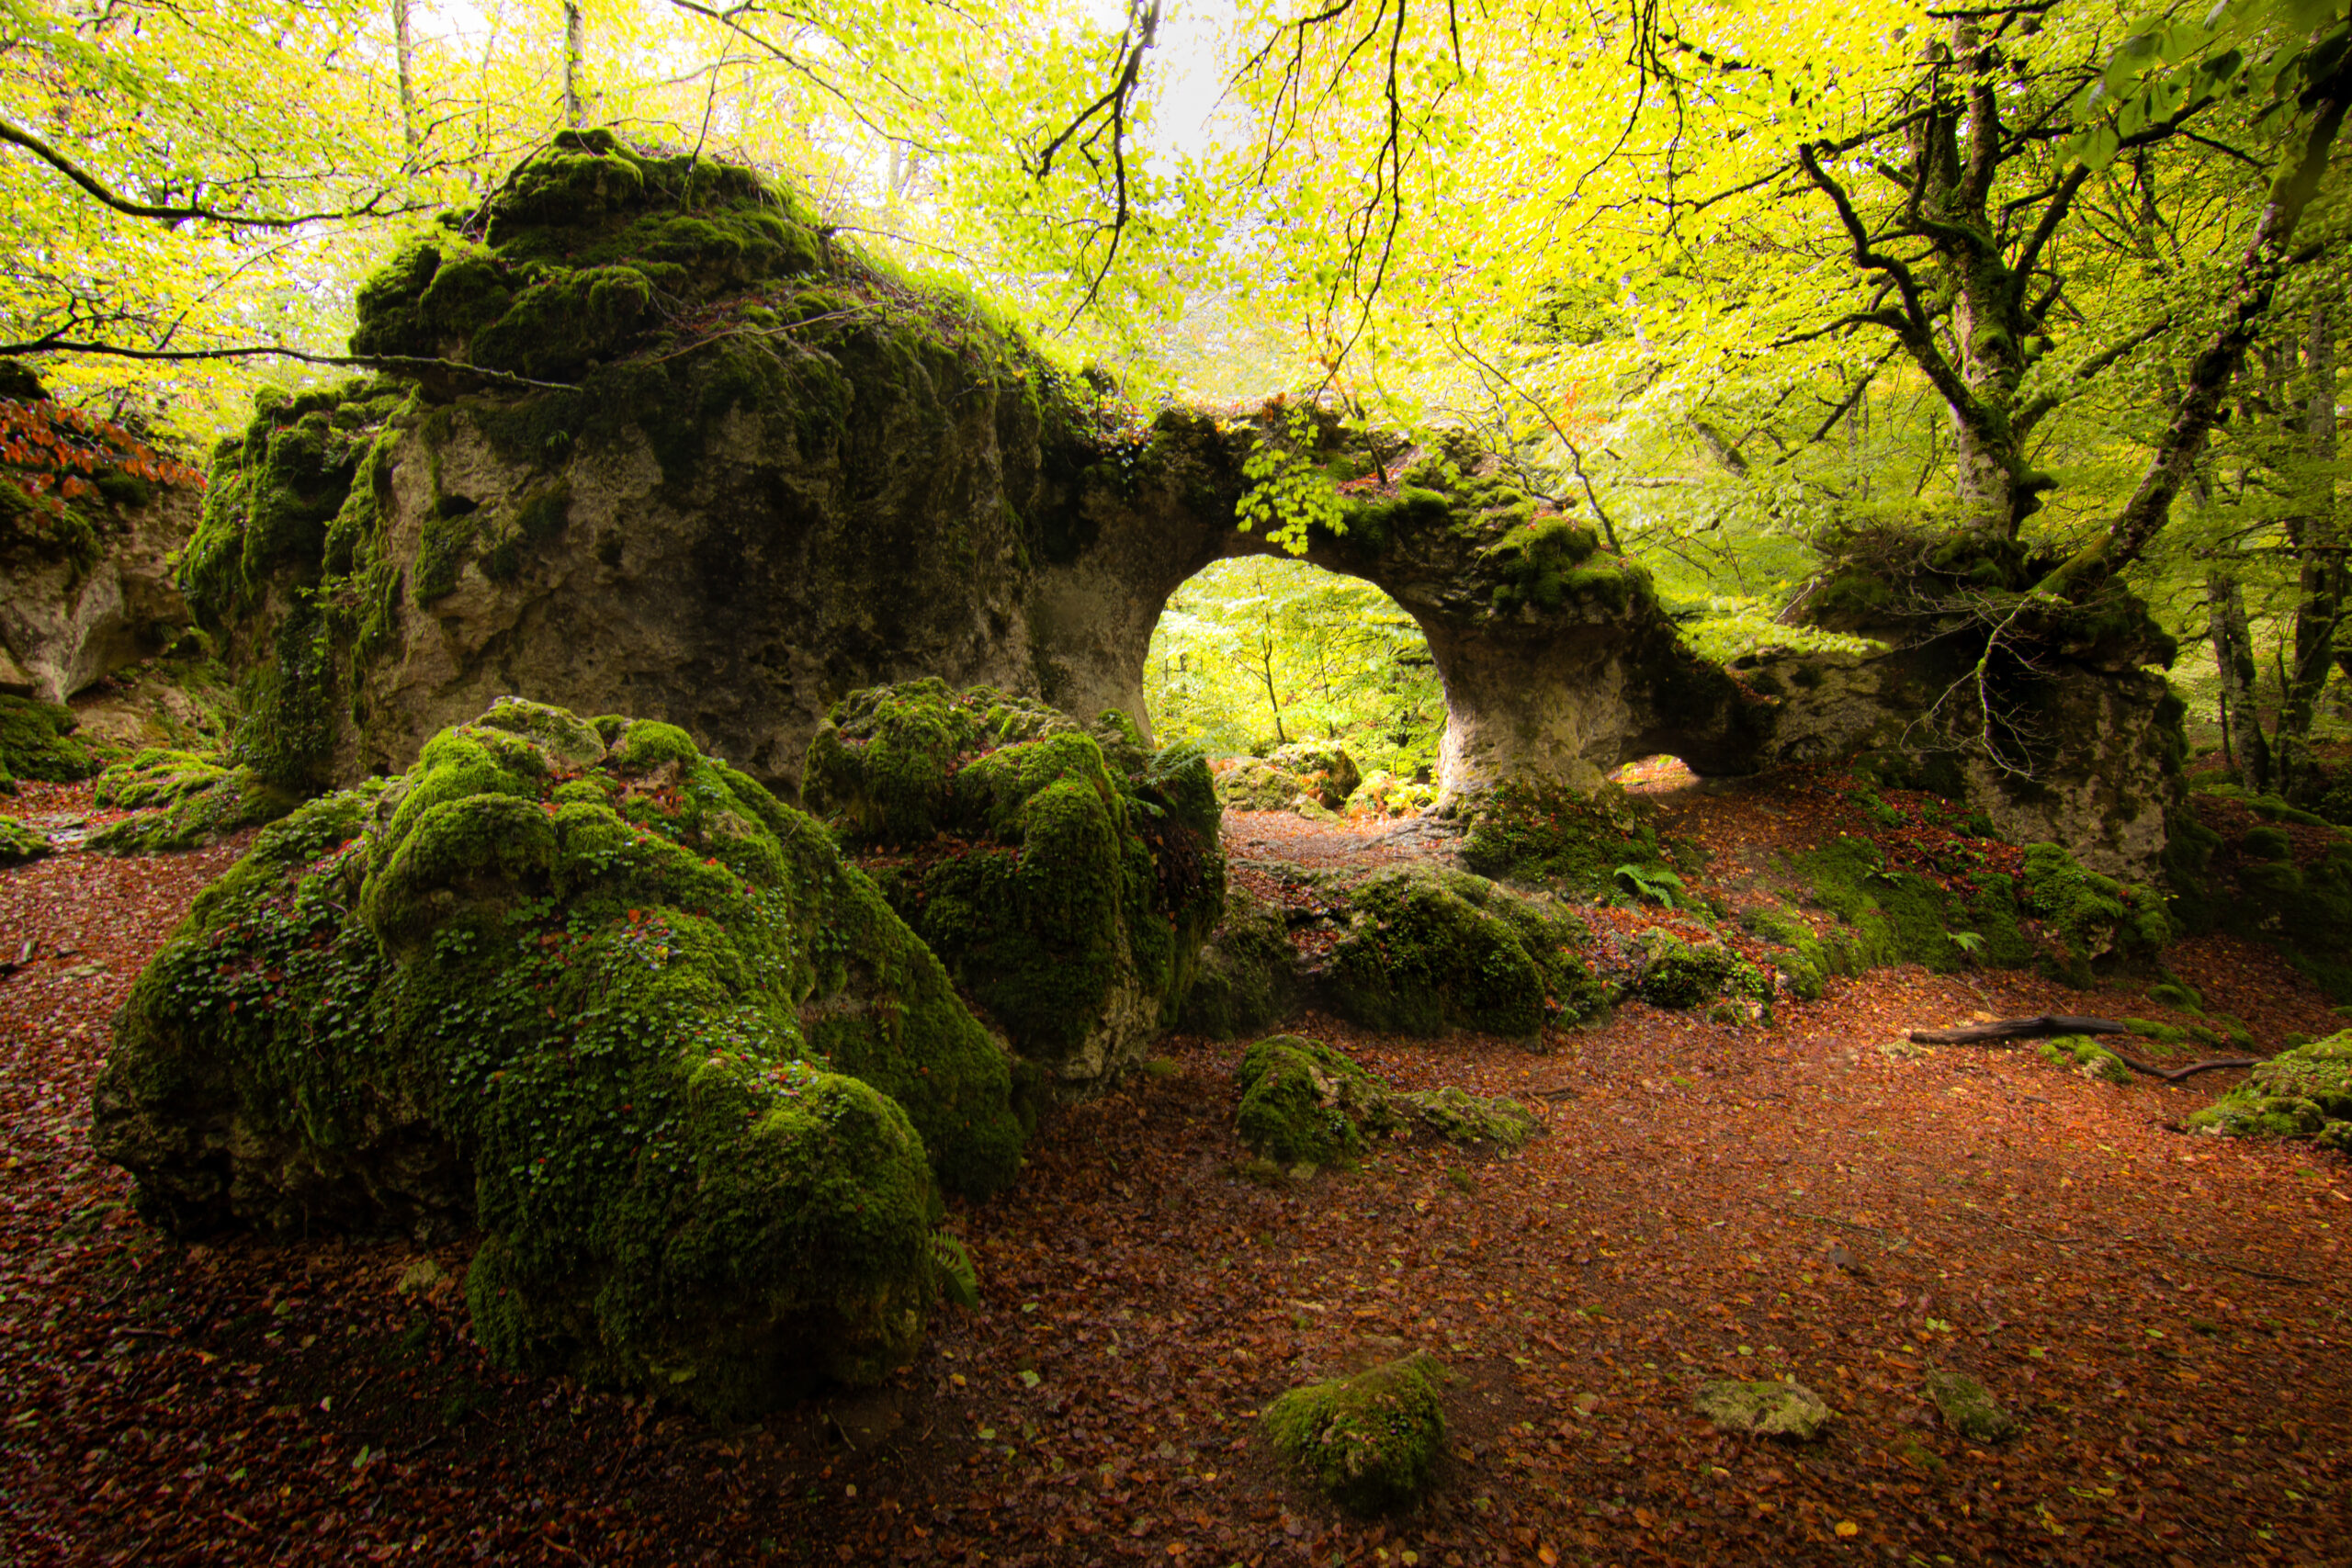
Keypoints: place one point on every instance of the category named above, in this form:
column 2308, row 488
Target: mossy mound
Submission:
column 156, row 778
column 1248, row 974
column 1369, row 1441
column 1066, row 877
column 36, row 742
column 2086, row 1057
column 1804, row 957
column 1384, row 794
column 1682, row 975
column 1968, row 1407
column 204, row 808
column 20, row 842
column 1304, row 1103
column 2302, row 1093
column 1311, row 780
column 1573, row 842
column 2285, row 880
column 1431, row 949
column 607, row 1000
column 2094, row 917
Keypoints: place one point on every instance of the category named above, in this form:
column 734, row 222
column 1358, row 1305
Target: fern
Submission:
column 959, row 1280
column 1653, row 883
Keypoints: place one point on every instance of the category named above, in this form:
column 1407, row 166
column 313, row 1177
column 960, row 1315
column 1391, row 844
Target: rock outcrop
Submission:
column 604, row 999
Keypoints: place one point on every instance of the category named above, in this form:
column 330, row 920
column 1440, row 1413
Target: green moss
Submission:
column 156, row 778
column 2094, row 917
column 2303, row 1092
column 1248, row 974
column 1967, row 1407
column 20, row 842
column 1526, row 831
column 1430, row 949
column 1303, row 1101
column 1896, row 917
column 1369, row 1441
column 2084, row 1054
column 676, row 1058
column 1679, row 975
column 1460, row 1117
column 192, row 806
column 36, row 742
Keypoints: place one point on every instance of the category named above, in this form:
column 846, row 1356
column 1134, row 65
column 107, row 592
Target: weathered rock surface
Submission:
column 604, row 999
column 1762, row 1408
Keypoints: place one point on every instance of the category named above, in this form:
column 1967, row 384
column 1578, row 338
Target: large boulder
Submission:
column 1066, row 876
column 603, row 998
column 1430, row 948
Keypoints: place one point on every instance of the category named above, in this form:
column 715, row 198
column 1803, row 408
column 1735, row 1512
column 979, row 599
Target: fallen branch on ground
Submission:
column 2057, row 1024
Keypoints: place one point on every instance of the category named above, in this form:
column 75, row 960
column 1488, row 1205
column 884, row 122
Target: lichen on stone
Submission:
column 1968, row 1407
column 679, row 1063
column 1762, row 1408
column 1369, row 1441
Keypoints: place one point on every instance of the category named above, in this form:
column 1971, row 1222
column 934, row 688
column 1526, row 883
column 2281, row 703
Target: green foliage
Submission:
column 1654, row 883
column 1289, row 496
column 1251, row 654
column 959, row 1278
column 1369, row 1441
column 676, row 1058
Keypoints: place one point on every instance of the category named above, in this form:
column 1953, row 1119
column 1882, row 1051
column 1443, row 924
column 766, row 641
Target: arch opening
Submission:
column 1266, row 661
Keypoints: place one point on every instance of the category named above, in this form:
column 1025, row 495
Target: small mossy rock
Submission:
column 1382, row 793
column 1254, row 784
column 20, row 842
column 2305, row 1092
column 677, row 1061
column 2087, row 1058
column 1326, row 774
column 1679, row 974
column 1069, row 899
column 1371, row 1441
column 1247, row 977
column 1304, row 1103
column 36, row 742
column 1460, row 1117
column 1968, row 1407
column 1431, row 948
column 1763, row 1408
column 195, row 802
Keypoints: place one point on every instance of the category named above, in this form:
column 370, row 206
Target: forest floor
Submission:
column 2167, row 1315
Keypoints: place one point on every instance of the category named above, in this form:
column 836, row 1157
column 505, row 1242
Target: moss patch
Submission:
column 2305, row 1092
column 20, row 842
column 1762, row 1408
column 184, row 802
column 1369, row 1441
column 36, row 742
column 1248, row 974
column 1304, row 1103
column 1523, row 831
column 679, row 1063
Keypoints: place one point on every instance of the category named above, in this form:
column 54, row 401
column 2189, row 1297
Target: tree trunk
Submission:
column 2234, row 660
column 404, row 53
column 575, row 31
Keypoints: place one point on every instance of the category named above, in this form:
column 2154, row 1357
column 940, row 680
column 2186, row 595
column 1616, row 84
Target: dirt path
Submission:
column 2167, row 1315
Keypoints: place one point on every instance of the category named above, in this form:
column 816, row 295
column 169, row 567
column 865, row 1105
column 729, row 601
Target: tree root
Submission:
column 2055, row 1023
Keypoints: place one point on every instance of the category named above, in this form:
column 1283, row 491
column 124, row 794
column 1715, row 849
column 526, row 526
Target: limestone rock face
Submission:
column 603, row 999
column 1067, row 878
column 74, row 611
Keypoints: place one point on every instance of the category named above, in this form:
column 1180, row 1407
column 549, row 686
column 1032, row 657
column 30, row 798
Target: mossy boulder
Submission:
column 1247, row 976
column 1324, row 770
column 1304, row 1103
column 1369, row 1441
column 20, row 842
column 1572, row 841
column 2096, row 918
column 1681, row 974
column 1382, row 793
column 1762, row 1408
column 1968, row 1407
column 2305, row 1092
column 37, row 742
column 184, row 801
column 2088, row 1058
column 1066, row 876
column 1430, row 948
column 609, row 1002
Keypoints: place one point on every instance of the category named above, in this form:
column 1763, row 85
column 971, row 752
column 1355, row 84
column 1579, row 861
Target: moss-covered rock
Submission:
column 1762, row 1408
column 1066, row 877
column 2305, row 1092
column 1369, row 1441
column 1968, row 1407
column 1384, row 794
column 37, row 742
column 1247, row 976
column 2094, row 917
column 1323, row 768
column 605, row 1000
column 20, row 842
column 1682, row 975
column 193, row 807
column 1311, row 777
column 1302, row 1101
column 1430, row 948
column 2085, row 1055
column 1572, row 841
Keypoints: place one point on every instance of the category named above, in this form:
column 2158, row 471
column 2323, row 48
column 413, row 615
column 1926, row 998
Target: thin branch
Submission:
column 401, row 364
column 18, row 135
